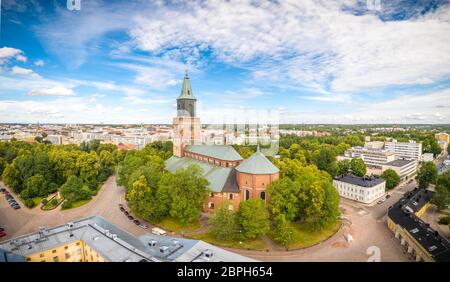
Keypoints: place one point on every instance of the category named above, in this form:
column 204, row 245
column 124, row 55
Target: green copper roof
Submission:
column 186, row 89
column 257, row 164
column 221, row 152
column 216, row 175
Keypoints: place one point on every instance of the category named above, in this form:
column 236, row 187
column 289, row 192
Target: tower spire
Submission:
column 186, row 89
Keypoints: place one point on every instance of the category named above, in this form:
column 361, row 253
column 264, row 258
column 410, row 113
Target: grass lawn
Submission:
column 256, row 244
column 171, row 224
column 37, row 201
column 50, row 206
column 304, row 237
column 79, row 203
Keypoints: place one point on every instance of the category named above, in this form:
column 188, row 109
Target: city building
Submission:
column 372, row 157
column 231, row 178
column 94, row 239
column 442, row 136
column 427, row 157
column 362, row 189
column 404, row 168
column 405, row 150
column 374, row 145
column 418, row 239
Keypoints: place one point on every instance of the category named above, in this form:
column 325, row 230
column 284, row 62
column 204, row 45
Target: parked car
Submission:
column 388, row 196
column 137, row 222
column 6, row 192
column 145, row 226
column 2, row 229
column 130, row 217
column 2, row 190
column 2, row 234
column 158, row 231
column 16, row 207
column 122, row 209
column 348, row 237
column 10, row 200
column 126, row 213
column 120, row 205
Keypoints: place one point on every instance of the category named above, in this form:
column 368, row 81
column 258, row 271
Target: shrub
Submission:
column 54, row 202
column 29, row 203
column 66, row 205
column 444, row 220
column 44, row 201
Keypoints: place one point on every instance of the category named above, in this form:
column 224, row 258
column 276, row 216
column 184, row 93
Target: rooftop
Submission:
column 400, row 162
column 257, row 164
column 220, row 152
column 366, row 181
column 218, row 177
column 115, row 244
column 403, row 214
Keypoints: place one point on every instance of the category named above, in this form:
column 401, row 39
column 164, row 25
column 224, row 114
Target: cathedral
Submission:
column 231, row 178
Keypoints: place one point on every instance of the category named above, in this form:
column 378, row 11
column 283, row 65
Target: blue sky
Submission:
column 348, row 61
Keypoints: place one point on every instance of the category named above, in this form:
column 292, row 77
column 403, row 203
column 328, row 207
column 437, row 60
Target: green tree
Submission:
column 325, row 159
column 343, row 167
column 222, row 224
column 187, row 190
column 358, row 167
column 74, row 189
column 3, row 164
column 391, row 177
column 36, row 185
column 427, row 174
column 283, row 231
column 253, row 218
column 442, row 196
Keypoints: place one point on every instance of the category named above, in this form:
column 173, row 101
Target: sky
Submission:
column 349, row 61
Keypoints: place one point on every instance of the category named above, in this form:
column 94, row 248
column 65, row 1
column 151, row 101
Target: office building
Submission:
column 404, row 168
column 362, row 189
column 405, row 150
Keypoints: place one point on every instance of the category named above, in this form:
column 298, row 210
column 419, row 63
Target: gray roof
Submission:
column 186, row 89
column 217, row 176
column 399, row 162
column 114, row 244
column 257, row 164
column 366, row 181
column 221, row 152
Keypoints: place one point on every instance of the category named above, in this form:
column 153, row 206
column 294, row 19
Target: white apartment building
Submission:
column 427, row 157
column 362, row 189
column 404, row 168
column 371, row 157
column 405, row 150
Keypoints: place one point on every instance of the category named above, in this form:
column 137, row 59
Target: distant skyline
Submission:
column 307, row 62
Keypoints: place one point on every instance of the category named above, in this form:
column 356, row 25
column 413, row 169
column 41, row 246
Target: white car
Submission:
column 158, row 231
column 348, row 237
column 145, row 226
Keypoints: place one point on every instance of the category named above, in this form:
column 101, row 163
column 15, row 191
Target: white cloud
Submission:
column 305, row 42
column 7, row 53
column 54, row 91
column 24, row 71
column 39, row 63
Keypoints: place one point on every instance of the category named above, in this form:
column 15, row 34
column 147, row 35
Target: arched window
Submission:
column 262, row 195
column 247, row 194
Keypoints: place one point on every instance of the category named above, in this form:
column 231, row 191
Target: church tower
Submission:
column 186, row 126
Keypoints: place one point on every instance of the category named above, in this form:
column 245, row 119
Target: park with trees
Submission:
column 36, row 170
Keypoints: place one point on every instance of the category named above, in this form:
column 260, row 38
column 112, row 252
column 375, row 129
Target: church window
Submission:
column 262, row 195
column 247, row 194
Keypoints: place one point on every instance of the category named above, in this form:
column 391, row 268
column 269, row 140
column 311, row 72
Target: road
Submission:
column 23, row 221
column 366, row 225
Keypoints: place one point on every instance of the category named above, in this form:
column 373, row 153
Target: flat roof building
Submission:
column 405, row 150
column 94, row 239
column 372, row 157
column 404, row 168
